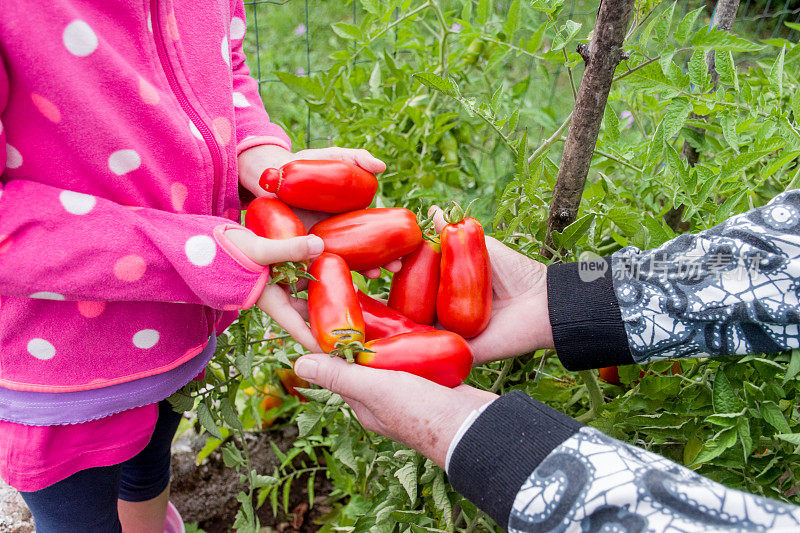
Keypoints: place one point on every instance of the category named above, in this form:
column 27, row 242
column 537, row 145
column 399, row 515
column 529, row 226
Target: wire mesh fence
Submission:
column 295, row 36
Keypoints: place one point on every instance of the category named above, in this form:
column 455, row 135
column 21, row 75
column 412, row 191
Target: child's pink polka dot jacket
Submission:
column 121, row 123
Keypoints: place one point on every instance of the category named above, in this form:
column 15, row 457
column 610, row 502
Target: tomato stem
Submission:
column 596, row 400
column 289, row 272
column 469, row 206
column 456, row 214
column 348, row 349
column 426, row 224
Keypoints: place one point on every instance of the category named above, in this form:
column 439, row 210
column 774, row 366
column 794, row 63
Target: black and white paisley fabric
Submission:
column 732, row 289
column 593, row 483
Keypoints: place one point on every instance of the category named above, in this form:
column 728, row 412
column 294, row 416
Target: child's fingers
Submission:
column 367, row 161
column 269, row 251
column 394, row 266
column 275, row 302
column 298, row 304
column 294, row 249
column 375, row 273
column 372, row 273
column 438, row 217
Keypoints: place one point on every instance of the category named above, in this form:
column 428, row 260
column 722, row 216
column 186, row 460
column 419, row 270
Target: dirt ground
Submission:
column 14, row 515
column 206, row 494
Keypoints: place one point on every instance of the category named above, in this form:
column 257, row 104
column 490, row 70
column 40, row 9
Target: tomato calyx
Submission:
column 348, row 348
column 431, row 237
column 426, row 225
column 290, row 272
column 455, row 213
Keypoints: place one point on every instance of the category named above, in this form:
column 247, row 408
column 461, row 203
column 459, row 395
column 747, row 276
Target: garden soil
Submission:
column 206, row 494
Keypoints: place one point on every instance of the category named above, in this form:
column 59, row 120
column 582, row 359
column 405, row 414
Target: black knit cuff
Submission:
column 588, row 331
column 501, row 449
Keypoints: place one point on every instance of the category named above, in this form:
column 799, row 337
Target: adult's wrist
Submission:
column 541, row 318
column 465, row 425
column 586, row 322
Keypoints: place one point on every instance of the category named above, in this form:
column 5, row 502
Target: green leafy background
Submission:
column 470, row 100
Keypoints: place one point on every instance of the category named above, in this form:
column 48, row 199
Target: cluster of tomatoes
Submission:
column 448, row 279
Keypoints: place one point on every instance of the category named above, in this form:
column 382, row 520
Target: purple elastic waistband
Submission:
column 52, row 409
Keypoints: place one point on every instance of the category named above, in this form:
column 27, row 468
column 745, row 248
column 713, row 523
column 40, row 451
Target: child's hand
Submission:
column 275, row 300
column 254, row 161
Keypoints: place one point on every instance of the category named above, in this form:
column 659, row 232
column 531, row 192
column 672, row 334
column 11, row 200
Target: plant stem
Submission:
column 248, row 464
column 309, row 469
column 596, row 401
column 443, row 52
column 474, row 522
column 439, row 15
column 638, row 122
column 510, row 46
column 443, row 38
column 270, row 339
column 551, row 140
column 503, row 375
column 489, row 121
column 461, row 516
column 601, row 55
column 641, row 66
column 693, row 371
column 392, row 25
column 571, row 79
column 795, row 180
column 618, row 160
column 638, row 23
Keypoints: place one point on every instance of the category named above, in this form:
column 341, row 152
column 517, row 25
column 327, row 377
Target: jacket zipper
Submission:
column 194, row 116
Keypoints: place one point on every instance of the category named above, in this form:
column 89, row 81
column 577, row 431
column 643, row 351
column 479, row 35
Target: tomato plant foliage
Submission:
column 471, row 100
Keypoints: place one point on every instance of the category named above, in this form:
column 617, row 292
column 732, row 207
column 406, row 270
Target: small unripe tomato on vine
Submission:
column 474, row 51
column 449, row 148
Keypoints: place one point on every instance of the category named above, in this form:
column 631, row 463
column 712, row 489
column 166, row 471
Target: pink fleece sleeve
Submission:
column 253, row 127
column 64, row 245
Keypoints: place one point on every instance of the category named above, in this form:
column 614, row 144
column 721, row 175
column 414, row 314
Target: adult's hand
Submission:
column 404, row 407
column 253, row 162
column 520, row 321
column 275, row 300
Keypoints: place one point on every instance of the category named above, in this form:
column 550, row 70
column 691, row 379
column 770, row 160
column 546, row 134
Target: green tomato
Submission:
column 449, row 148
column 462, row 134
column 474, row 51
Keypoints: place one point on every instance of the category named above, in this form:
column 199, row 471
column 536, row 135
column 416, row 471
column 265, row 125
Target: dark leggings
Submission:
column 87, row 500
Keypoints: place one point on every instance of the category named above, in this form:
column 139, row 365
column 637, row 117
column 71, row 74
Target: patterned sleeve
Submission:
column 732, row 289
column 592, row 482
column 587, row 481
